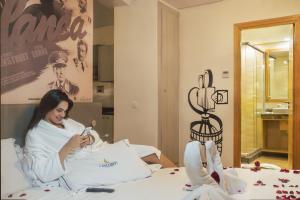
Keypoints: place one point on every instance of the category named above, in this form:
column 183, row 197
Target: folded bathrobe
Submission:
column 97, row 164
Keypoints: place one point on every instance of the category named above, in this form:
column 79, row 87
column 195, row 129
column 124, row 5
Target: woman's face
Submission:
column 56, row 115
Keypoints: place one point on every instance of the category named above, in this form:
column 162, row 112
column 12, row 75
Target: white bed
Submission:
column 169, row 183
column 165, row 184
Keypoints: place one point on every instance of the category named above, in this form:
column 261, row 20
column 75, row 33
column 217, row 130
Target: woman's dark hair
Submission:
column 48, row 102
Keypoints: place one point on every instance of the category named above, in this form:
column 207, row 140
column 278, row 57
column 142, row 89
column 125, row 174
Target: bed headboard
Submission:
column 15, row 118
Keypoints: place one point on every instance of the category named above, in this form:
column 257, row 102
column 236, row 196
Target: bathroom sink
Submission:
column 280, row 110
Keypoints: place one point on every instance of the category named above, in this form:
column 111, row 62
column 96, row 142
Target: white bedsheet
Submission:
column 168, row 184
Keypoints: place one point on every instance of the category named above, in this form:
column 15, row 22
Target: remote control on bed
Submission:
column 108, row 190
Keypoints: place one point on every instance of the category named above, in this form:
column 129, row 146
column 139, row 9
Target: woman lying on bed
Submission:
column 53, row 139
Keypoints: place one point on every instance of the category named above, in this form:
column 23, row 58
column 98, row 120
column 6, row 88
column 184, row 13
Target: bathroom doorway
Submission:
column 266, row 99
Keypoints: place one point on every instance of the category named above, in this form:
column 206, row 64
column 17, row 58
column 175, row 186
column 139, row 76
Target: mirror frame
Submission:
column 268, row 97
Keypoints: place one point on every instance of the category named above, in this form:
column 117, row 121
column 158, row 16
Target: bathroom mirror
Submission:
column 276, row 75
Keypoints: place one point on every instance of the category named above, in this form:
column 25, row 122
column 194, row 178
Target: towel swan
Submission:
column 203, row 185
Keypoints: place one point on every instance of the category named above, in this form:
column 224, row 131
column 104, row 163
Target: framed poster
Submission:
column 46, row 44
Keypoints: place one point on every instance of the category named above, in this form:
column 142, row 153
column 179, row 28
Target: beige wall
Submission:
column 135, row 72
column 206, row 41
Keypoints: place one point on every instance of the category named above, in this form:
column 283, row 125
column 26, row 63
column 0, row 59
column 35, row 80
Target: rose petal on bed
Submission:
column 296, row 171
column 284, row 180
column 215, row 176
column 254, row 169
column 22, row 195
column 284, row 170
column 278, row 192
column 176, row 170
column 46, row 190
column 257, row 163
column 275, row 186
column 298, row 192
column 172, row 173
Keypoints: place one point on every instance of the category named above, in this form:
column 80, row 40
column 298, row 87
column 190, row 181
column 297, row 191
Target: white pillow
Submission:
column 112, row 164
column 12, row 177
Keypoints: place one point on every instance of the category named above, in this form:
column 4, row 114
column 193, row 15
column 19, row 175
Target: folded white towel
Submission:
column 214, row 162
column 207, row 192
column 193, row 166
column 228, row 178
column 233, row 184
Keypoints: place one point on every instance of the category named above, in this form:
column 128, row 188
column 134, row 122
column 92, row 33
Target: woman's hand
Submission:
column 85, row 140
column 74, row 142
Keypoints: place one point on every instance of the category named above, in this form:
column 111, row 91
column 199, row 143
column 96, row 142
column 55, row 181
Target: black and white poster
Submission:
column 46, row 44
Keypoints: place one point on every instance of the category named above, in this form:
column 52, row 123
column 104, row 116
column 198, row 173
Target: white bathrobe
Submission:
column 41, row 159
column 97, row 164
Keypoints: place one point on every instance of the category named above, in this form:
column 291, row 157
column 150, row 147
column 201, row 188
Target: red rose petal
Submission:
column 278, row 192
column 172, row 173
column 291, row 185
column 257, row 163
column 188, row 185
column 292, row 196
column 22, row 195
column 284, row 170
column 298, row 192
column 275, row 186
column 176, row 170
column 284, row 180
column 291, row 192
column 254, row 169
column 263, row 184
column 215, row 176
column 46, row 190
column 284, row 192
column 256, row 184
column 259, row 181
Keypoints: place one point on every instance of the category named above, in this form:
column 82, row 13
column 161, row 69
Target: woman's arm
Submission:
column 75, row 142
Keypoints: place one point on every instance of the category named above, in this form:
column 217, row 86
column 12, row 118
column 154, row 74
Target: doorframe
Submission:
column 295, row 20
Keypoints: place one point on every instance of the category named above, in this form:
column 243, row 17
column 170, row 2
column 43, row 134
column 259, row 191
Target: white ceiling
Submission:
column 189, row 3
column 179, row 4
